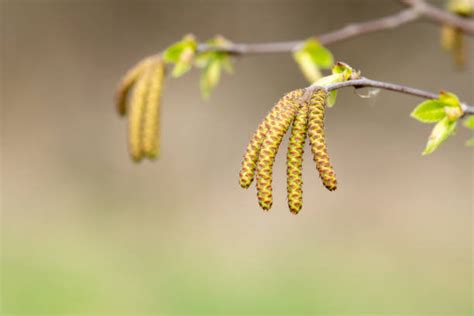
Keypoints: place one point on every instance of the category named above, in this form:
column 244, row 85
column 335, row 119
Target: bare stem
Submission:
column 416, row 10
column 364, row 82
column 440, row 16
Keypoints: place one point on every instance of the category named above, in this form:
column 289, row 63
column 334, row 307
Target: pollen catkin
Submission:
column 249, row 161
column 277, row 125
column 151, row 141
column 127, row 82
column 135, row 120
column 295, row 159
column 317, row 139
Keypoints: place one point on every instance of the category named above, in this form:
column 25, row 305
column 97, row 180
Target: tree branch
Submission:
column 364, row 82
column 440, row 16
column 349, row 31
column 416, row 10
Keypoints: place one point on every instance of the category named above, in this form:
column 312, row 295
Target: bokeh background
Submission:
column 87, row 232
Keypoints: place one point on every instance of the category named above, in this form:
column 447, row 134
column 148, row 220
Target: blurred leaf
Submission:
column 312, row 57
column 210, row 77
column 307, row 66
column 181, row 54
column 442, row 130
column 469, row 122
column 429, row 111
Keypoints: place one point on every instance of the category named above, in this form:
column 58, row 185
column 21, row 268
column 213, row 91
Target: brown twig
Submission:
column 364, row 82
column 440, row 16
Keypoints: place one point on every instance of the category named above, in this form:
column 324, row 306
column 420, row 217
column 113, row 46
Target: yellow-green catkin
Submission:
column 277, row 125
column 317, row 139
column 151, row 119
column 249, row 161
column 135, row 120
column 295, row 159
column 452, row 41
column 126, row 84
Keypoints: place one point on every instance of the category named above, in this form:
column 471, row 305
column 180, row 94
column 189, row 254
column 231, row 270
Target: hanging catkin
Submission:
column 249, row 161
column 317, row 139
column 135, row 120
column 127, row 82
column 277, row 125
column 151, row 140
column 295, row 159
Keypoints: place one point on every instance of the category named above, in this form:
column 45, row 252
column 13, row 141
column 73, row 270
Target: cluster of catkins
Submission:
column 304, row 110
column 146, row 79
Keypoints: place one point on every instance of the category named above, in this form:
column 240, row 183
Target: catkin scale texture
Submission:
column 126, row 84
column 295, row 159
column 249, row 161
column 151, row 115
column 317, row 139
column 277, row 125
column 135, row 120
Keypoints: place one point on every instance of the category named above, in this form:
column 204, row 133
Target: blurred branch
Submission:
column 417, row 9
column 364, row 82
column 440, row 16
column 349, row 31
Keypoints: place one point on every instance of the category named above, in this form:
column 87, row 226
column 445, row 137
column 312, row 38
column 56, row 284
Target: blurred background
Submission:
column 85, row 231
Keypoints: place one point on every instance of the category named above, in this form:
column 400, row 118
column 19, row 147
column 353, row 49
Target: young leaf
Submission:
column 307, row 66
column 449, row 99
column 442, row 130
column 429, row 111
column 312, row 57
column 181, row 54
column 469, row 122
column 210, row 77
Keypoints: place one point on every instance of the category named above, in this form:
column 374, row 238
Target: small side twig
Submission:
column 364, row 82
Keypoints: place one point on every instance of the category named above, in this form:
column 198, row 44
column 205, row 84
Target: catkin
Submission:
column 127, row 82
column 151, row 116
column 135, row 120
column 295, row 159
column 277, row 125
column 249, row 161
column 317, row 139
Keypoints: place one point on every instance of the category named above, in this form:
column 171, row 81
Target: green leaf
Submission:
column 181, row 54
column 312, row 57
column 344, row 69
column 307, row 66
column 429, row 111
column 327, row 80
column 210, row 77
column 449, row 99
column 442, row 130
column 469, row 122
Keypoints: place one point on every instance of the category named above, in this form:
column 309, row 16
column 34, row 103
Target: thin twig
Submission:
column 348, row 31
column 440, row 16
column 364, row 82
column 416, row 10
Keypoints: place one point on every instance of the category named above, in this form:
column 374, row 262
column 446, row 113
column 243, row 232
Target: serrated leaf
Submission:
column 441, row 131
column 307, row 66
column 469, row 122
column 429, row 111
column 210, row 77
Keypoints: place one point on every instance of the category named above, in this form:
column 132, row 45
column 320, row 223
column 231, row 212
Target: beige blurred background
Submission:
column 85, row 231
